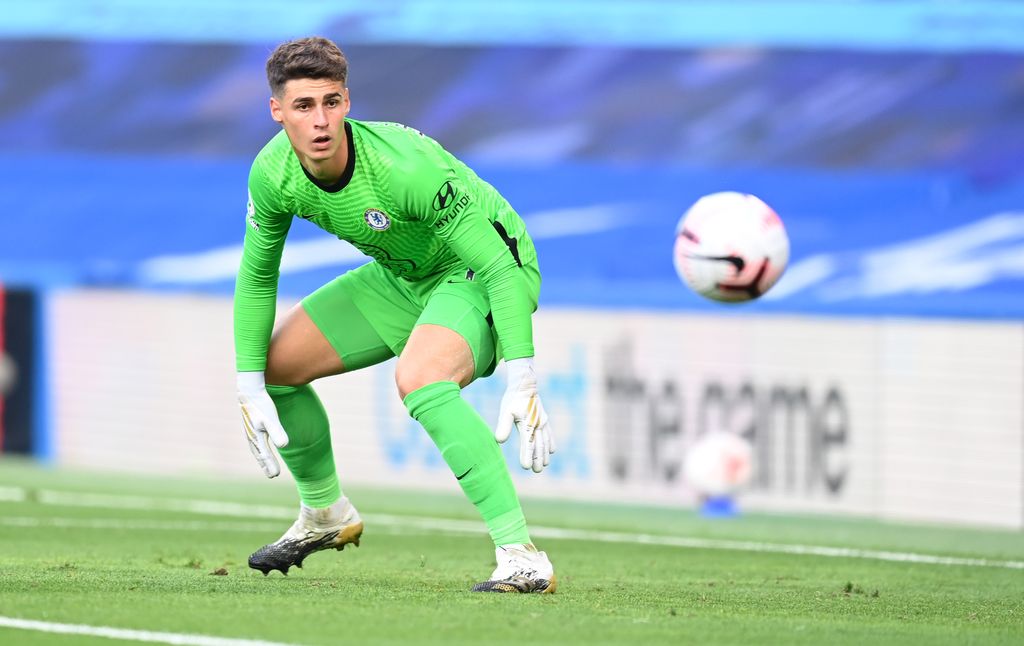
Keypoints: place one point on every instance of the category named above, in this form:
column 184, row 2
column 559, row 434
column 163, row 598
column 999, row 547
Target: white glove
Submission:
column 521, row 407
column 259, row 417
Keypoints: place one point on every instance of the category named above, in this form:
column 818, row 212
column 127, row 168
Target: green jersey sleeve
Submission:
column 267, row 224
column 463, row 211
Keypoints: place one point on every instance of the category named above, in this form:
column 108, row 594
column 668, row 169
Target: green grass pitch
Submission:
column 163, row 556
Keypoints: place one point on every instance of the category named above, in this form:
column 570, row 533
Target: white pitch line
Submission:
column 207, row 507
column 385, row 527
column 239, row 510
column 12, row 494
column 184, row 639
column 137, row 524
column 774, row 548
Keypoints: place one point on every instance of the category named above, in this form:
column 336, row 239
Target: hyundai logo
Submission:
column 444, row 196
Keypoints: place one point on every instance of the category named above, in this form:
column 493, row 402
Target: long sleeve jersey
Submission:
column 404, row 201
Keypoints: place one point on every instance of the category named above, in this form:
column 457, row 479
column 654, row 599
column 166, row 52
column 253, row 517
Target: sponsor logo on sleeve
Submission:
column 448, row 198
column 250, row 214
column 376, row 219
column 445, row 196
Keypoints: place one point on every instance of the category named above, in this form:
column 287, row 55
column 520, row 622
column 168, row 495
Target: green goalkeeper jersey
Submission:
column 402, row 200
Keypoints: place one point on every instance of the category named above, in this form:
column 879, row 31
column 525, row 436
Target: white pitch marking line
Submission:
column 12, row 494
column 139, row 524
column 199, row 525
column 183, row 639
column 219, row 508
column 774, row 548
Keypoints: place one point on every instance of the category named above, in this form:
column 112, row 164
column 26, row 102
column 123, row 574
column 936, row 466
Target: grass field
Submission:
column 168, row 559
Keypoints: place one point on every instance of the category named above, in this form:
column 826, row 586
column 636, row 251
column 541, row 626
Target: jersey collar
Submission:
column 346, row 175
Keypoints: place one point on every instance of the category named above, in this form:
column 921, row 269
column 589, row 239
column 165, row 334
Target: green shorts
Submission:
column 367, row 314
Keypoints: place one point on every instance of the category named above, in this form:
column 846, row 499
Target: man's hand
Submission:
column 259, row 418
column 521, row 407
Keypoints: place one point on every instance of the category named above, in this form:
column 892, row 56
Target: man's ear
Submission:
column 275, row 110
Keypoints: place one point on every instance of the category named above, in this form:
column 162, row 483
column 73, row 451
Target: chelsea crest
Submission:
column 377, row 219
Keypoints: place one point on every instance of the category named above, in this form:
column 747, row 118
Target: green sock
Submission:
column 469, row 448
column 308, row 455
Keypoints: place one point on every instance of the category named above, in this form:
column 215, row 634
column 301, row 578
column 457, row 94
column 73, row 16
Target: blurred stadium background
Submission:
column 882, row 378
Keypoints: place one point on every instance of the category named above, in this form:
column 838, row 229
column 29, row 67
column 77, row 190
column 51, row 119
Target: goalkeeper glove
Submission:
column 259, row 417
column 521, row 407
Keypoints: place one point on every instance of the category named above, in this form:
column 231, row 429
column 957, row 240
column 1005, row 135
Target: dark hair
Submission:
column 305, row 58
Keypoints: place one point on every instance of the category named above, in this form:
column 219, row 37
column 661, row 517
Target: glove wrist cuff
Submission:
column 519, row 370
column 251, row 382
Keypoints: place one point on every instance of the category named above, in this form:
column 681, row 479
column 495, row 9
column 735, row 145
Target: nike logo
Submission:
column 469, row 276
column 464, row 474
column 736, row 261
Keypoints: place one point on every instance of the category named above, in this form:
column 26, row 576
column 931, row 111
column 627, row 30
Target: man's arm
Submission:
column 258, row 274
column 255, row 309
column 477, row 243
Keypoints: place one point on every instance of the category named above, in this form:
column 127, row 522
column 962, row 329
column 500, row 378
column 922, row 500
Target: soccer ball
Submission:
column 718, row 464
column 730, row 247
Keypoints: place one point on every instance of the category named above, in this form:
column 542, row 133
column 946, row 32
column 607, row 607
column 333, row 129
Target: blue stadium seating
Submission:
column 897, row 173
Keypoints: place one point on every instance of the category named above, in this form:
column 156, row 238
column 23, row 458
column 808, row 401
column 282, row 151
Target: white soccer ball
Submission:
column 718, row 464
column 730, row 247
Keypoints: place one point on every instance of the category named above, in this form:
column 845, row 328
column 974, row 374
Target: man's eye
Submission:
column 333, row 103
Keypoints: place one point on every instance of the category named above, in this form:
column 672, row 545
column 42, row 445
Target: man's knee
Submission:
column 410, row 376
column 434, row 353
column 413, row 375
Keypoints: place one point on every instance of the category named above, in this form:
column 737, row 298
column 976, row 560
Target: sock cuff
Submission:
column 509, row 528
column 322, row 492
column 426, row 398
column 282, row 390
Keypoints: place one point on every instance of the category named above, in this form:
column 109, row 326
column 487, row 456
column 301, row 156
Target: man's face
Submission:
column 312, row 112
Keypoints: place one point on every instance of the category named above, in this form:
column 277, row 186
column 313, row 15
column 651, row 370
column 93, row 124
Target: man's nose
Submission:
column 320, row 116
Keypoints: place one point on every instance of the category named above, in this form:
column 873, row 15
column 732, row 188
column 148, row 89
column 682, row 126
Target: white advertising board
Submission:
column 904, row 419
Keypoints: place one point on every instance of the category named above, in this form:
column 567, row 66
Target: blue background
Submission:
column 897, row 170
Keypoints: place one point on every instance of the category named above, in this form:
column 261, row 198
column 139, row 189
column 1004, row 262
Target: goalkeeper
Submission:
column 450, row 291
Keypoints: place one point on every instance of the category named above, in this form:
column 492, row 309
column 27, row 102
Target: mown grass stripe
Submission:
column 240, row 510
